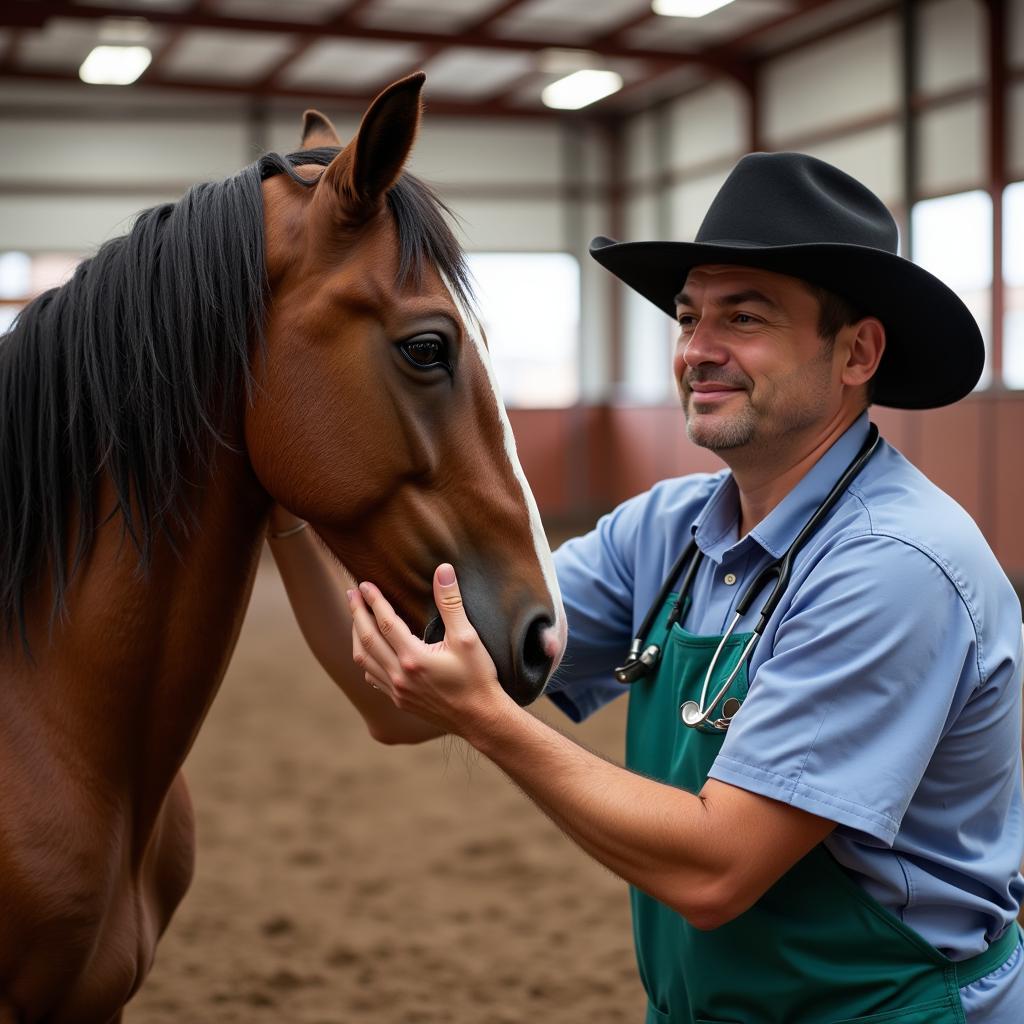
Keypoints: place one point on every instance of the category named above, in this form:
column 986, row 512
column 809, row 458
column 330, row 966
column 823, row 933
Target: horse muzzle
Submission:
column 524, row 658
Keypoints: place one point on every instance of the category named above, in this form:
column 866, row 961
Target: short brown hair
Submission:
column 835, row 313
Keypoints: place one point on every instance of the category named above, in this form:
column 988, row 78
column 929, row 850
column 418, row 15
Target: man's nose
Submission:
column 703, row 346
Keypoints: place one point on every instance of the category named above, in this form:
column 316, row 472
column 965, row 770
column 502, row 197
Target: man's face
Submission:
column 749, row 363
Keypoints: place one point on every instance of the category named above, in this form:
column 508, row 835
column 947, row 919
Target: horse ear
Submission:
column 318, row 131
column 371, row 163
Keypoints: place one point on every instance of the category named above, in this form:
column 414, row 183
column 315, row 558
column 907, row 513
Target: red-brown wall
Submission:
column 583, row 461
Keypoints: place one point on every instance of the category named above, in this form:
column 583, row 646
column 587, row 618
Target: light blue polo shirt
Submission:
column 885, row 693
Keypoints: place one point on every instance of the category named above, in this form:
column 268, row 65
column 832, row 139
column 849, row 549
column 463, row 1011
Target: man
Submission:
column 823, row 817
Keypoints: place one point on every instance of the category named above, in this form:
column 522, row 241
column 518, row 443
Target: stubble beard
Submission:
column 720, row 433
column 748, row 427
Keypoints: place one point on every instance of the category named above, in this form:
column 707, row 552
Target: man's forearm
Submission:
column 657, row 837
column 709, row 856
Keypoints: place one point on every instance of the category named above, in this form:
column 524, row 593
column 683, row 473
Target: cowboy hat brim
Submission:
column 934, row 352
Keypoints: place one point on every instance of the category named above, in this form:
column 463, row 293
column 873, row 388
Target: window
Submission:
column 953, row 240
column 24, row 276
column 530, row 307
column 649, row 343
column 1013, row 278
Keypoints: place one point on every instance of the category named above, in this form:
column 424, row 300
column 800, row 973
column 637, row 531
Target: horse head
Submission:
column 375, row 415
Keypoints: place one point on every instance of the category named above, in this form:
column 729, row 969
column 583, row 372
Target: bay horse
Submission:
column 298, row 333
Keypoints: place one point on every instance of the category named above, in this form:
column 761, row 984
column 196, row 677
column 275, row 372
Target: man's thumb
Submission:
column 448, row 597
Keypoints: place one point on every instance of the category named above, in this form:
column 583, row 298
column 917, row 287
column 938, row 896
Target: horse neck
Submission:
column 123, row 685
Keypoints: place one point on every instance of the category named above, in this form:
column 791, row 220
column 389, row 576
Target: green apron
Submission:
column 815, row 948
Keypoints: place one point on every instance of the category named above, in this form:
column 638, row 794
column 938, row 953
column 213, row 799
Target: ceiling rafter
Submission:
column 355, row 100
column 169, row 45
column 20, row 14
column 273, row 76
column 732, row 59
column 744, row 66
column 481, row 25
column 614, row 35
column 737, row 44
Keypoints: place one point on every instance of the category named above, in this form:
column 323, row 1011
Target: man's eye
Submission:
column 687, row 322
column 426, row 351
column 744, row 318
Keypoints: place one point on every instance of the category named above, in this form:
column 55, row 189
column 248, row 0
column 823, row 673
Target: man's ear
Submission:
column 356, row 181
column 866, row 345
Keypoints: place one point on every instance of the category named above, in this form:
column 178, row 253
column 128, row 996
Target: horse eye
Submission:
column 426, row 351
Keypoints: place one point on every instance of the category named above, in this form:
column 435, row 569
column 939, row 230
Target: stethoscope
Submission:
column 644, row 660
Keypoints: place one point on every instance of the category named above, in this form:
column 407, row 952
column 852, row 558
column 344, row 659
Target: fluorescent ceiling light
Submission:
column 580, row 89
column 686, row 8
column 114, row 65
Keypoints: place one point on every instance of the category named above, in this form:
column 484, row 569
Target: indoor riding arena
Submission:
column 154, row 495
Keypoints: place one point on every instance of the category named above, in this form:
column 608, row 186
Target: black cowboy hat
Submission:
column 797, row 215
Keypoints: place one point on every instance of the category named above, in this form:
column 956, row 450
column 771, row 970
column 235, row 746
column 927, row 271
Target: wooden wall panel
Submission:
column 951, row 439
column 545, row 444
column 1008, row 485
column 584, row 461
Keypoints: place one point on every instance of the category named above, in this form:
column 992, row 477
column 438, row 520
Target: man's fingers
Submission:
column 448, row 598
column 369, row 651
column 389, row 625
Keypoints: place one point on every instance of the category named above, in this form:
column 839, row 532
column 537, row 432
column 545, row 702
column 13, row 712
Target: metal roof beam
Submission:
column 303, row 95
column 21, row 14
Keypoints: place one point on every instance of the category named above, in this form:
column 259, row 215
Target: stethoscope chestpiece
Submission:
column 693, row 717
column 691, row 714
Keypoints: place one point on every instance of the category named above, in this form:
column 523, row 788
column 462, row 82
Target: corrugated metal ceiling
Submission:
column 481, row 56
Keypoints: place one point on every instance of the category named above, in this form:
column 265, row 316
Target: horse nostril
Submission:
column 434, row 631
column 536, row 661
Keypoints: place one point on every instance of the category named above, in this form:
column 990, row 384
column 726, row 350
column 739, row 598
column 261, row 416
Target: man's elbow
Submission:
column 709, row 904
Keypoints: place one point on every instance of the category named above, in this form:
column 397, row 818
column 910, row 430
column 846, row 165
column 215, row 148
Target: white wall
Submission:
column 706, row 126
column 850, row 76
column 68, row 223
column 952, row 45
column 873, row 156
column 1015, row 115
column 953, row 148
column 1015, row 112
column 73, row 175
column 1015, row 44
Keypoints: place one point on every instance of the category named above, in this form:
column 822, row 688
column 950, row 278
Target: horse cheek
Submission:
column 314, row 440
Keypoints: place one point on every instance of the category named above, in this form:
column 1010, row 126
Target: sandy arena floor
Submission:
column 340, row 881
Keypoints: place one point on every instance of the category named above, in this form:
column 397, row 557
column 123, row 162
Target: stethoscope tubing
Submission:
column 706, row 713
column 780, row 568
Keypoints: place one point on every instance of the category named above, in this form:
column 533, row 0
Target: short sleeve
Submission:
column 596, row 575
column 870, row 661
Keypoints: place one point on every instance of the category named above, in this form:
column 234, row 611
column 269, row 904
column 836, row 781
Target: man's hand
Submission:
column 709, row 857
column 452, row 683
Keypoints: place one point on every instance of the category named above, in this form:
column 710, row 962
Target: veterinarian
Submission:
column 821, row 814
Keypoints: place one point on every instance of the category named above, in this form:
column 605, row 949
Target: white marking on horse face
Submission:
column 554, row 638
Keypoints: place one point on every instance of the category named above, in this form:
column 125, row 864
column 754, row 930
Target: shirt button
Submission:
column 729, row 579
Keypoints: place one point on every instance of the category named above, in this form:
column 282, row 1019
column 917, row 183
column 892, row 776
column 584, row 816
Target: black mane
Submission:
column 139, row 362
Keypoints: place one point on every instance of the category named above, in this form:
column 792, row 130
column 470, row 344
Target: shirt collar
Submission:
column 716, row 526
